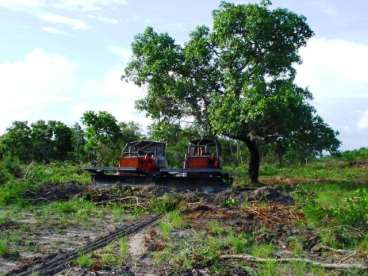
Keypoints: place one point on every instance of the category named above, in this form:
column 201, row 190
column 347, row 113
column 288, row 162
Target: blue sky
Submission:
column 59, row 58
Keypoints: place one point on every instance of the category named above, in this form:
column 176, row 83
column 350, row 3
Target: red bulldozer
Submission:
column 144, row 162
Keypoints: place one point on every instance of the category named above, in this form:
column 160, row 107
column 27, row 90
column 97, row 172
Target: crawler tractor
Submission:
column 144, row 162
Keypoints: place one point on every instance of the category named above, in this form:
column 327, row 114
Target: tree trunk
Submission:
column 254, row 160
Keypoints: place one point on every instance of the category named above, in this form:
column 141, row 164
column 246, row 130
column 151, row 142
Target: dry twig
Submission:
column 253, row 259
column 340, row 251
column 120, row 199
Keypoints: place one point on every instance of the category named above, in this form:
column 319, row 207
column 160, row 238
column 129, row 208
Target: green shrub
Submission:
column 263, row 250
column 214, row 227
column 269, row 170
column 85, row 261
column 358, row 154
column 355, row 210
column 4, row 249
column 230, row 202
column 5, row 176
column 175, row 219
column 124, row 248
column 38, row 174
column 57, row 173
column 165, row 229
column 12, row 191
column 165, row 203
column 239, row 242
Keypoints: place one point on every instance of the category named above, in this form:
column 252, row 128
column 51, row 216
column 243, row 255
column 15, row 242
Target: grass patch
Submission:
column 165, row 203
column 4, row 249
column 85, row 261
column 124, row 248
column 263, row 250
column 12, row 190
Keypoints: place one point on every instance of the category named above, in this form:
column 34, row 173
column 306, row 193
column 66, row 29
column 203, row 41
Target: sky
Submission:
column 60, row 58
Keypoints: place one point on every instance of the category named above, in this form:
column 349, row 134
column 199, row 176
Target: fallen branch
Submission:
column 250, row 258
column 341, row 251
column 38, row 199
column 120, row 199
column 347, row 257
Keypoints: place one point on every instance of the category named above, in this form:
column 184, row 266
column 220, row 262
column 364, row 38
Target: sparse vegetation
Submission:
column 4, row 249
column 233, row 81
column 85, row 261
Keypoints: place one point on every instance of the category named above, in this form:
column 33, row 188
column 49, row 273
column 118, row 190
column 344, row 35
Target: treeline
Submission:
column 99, row 138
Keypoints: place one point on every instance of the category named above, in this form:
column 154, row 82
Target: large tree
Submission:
column 235, row 79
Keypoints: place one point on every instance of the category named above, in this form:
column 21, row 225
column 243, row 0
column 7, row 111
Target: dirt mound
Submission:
column 264, row 194
column 363, row 164
column 50, row 192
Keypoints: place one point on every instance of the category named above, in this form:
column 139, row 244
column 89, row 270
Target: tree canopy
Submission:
column 235, row 79
column 105, row 136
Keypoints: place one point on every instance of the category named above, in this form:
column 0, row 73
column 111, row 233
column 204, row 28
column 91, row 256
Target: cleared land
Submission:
column 307, row 219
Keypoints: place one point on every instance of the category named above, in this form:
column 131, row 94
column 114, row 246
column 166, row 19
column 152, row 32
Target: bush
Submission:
column 354, row 211
column 5, row 175
column 85, row 261
column 4, row 250
column 269, row 170
column 57, row 173
column 12, row 191
column 359, row 154
column 165, row 203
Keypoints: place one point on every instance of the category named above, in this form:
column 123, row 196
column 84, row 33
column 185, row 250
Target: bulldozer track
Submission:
column 52, row 265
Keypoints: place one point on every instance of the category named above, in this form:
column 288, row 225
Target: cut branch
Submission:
column 120, row 199
column 253, row 259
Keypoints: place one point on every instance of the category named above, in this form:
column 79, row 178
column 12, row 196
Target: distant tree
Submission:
column 78, row 142
column 312, row 140
column 16, row 142
column 61, row 141
column 51, row 140
column 41, row 135
column 103, row 136
column 130, row 132
column 176, row 138
column 42, row 141
column 235, row 79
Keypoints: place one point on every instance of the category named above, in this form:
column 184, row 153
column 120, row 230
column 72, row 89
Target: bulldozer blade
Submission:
column 199, row 184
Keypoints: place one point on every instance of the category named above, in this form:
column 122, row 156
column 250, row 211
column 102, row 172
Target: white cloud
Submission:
column 326, row 7
column 52, row 30
column 334, row 68
column 335, row 72
column 123, row 53
column 363, row 121
column 20, row 3
column 84, row 5
column 35, row 87
column 47, row 86
column 60, row 19
column 112, row 95
column 87, row 5
column 104, row 19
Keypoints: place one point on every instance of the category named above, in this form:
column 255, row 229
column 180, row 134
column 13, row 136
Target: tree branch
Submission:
column 253, row 259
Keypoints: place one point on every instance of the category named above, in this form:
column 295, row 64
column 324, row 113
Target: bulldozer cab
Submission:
column 145, row 150
column 142, row 148
column 202, row 154
column 203, row 147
